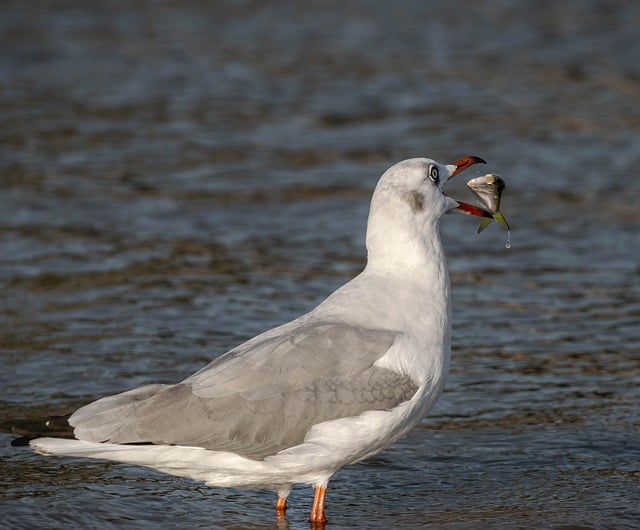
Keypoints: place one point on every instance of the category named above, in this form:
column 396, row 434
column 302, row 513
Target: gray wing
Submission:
column 259, row 398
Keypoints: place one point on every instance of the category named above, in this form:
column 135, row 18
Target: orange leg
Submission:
column 317, row 510
column 281, row 505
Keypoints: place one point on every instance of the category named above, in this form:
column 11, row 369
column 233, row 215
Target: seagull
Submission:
column 330, row 388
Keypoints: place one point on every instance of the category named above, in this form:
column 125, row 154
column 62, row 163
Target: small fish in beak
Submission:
column 489, row 190
column 463, row 207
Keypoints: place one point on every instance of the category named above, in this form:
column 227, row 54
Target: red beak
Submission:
column 464, row 163
column 465, row 207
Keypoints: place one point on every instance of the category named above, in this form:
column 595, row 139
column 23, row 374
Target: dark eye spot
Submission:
column 416, row 201
column 434, row 174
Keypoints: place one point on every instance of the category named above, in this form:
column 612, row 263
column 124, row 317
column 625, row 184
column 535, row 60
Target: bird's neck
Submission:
column 414, row 255
column 414, row 264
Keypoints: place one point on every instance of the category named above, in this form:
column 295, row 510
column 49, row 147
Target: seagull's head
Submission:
column 408, row 202
column 419, row 182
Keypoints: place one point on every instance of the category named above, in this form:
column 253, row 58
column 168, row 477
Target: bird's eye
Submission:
column 434, row 174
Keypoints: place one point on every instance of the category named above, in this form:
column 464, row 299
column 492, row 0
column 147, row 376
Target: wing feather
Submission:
column 259, row 398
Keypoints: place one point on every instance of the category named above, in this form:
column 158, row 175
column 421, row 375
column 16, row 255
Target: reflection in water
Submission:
column 180, row 177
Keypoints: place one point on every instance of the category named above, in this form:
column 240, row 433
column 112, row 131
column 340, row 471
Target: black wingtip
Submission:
column 29, row 429
column 22, row 441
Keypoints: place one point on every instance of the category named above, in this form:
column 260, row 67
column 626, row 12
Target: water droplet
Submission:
column 508, row 243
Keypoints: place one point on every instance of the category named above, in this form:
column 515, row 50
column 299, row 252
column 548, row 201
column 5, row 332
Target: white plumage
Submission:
column 298, row 402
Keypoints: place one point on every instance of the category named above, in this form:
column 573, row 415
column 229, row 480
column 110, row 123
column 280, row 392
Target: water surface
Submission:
column 177, row 177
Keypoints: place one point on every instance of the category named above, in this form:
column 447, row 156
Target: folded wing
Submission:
column 259, row 398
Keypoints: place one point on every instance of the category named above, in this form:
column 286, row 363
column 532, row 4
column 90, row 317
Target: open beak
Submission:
column 464, row 163
column 463, row 207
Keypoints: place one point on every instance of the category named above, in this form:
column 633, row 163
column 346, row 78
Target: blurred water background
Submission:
column 179, row 176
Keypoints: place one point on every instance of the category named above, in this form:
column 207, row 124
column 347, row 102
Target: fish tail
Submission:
column 500, row 218
column 484, row 223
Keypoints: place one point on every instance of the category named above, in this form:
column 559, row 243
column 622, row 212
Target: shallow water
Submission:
column 177, row 177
